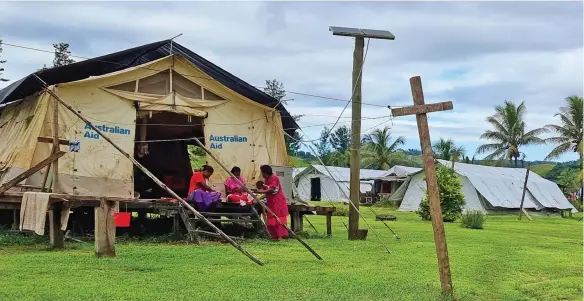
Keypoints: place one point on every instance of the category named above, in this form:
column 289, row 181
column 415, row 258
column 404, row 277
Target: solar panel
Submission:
column 364, row 33
column 378, row 34
column 346, row 31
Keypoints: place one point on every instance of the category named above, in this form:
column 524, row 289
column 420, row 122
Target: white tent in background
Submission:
column 316, row 183
column 489, row 189
column 401, row 171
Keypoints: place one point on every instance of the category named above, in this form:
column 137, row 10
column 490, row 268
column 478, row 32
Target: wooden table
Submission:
column 297, row 211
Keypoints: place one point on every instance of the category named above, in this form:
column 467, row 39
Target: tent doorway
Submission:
column 162, row 147
column 315, row 189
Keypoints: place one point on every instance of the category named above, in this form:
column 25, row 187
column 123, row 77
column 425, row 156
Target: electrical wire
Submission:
column 188, row 75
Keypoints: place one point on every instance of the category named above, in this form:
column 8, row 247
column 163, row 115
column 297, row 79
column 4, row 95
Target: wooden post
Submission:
column 524, row 189
column 355, row 160
column 420, row 109
column 55, row 233
column 55, row 144
column 151, row 176
column 105, row 229
column 329, row 223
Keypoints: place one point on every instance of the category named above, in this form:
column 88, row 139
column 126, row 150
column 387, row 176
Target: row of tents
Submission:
column 486, row 188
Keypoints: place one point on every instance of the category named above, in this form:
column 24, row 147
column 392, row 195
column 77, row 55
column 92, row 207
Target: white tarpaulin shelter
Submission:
column 401, row 171
column 315, row 182
column 489, row 189
column 162, row 93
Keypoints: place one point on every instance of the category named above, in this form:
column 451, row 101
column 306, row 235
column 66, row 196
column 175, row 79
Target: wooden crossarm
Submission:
column 50, row 140
column 422, row 109
column 29, row 172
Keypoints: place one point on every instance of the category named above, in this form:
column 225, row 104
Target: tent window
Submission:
column 158, row 84
column 212, row 96
column 185, row 87
column 129, row 86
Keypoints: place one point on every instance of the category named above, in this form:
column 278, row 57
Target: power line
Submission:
column 188, row 75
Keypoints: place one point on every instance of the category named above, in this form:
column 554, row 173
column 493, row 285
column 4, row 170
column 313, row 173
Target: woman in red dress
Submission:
column 276, row 202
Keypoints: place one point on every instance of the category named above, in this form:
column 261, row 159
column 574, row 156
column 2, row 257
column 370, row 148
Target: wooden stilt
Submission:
column 55, row 233
column 150, row 175
column 105, row 229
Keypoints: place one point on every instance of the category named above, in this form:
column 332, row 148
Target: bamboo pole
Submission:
column 266, row 208
column 154, row 178
column 524, row 189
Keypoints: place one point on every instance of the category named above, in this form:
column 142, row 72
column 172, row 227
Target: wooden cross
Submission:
column 420, row 109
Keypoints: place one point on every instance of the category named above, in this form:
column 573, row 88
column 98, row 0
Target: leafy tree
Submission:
column 447, row 150
column 62, row 55
column 569, row 179
column 467, row 160
column 322, row 145
column 379, row 150
column 451, row 196
column 570, row 132
column 275, row 89
column 341, row 138
column 414, row 152
column 2, row 62
column 338, row 158
column 293, row 145
column 509, row 133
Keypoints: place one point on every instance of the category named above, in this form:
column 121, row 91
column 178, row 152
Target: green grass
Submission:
column 542, row 169
column 508, row 260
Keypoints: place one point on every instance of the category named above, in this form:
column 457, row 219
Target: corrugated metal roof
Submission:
column 401, row 171
column 343, row 174
column 503, row 186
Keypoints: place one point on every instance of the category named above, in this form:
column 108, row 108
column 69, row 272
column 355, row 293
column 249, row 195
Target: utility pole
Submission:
column 355, row 160
column 420, row 109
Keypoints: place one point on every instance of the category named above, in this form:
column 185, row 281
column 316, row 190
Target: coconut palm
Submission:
column 508, row 133
column 570, row 132
column 447, row 150
column 379, row 150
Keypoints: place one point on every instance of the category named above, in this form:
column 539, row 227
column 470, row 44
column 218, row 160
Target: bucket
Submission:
column 122, row 219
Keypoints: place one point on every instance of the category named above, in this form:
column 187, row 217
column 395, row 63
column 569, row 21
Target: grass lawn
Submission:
column 508, row 260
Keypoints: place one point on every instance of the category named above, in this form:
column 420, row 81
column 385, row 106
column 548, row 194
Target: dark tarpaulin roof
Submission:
column 134, row 57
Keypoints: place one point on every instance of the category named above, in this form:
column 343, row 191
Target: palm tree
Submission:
column 570, row 132
column 447, row 150
column 379, row 150
column 508, row 133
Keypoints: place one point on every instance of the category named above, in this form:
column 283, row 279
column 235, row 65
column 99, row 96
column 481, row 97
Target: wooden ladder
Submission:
column 192, row 224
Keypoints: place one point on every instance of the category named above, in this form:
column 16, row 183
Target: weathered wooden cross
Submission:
column 420, row 109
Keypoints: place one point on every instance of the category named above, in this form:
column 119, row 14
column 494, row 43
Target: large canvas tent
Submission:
column 160, row 91
column 489, row 189
column 316, row 183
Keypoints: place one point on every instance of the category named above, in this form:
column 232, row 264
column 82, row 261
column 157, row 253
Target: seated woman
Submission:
column 235, row 192
column 200, row 191
column 276, row 201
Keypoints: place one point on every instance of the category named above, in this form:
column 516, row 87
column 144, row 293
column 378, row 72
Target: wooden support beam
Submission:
column 422, row 109
column 50, row 140
column 329, row 224
column 55, row 144
column 105, row 229
column 29, row 172
column 55, row 233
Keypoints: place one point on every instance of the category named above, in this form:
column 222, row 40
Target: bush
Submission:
column 473, row 220
column 451, row 196
column 341, row 211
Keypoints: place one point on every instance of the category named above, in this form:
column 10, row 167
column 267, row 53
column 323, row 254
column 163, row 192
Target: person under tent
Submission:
column 204, row 196
column 234, row 191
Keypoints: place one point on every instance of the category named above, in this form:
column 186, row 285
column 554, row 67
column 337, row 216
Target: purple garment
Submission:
column 204, row 199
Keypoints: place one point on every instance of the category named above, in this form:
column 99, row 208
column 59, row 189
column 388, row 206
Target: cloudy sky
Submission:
column 476, row 54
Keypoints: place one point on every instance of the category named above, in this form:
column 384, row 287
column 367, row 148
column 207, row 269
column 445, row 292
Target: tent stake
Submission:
column 266, row 208
column 154, row 178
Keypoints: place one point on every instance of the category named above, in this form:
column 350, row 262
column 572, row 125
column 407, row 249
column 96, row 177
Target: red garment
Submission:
column 278, row 204
column 196, row 180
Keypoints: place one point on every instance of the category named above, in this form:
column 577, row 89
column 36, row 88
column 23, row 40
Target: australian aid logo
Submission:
column 90, row 133
column 217, row 141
